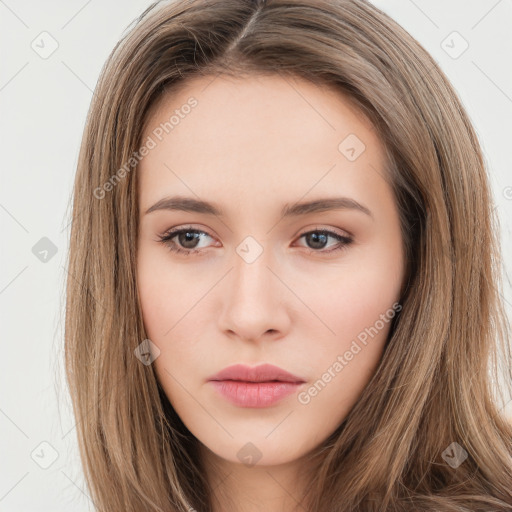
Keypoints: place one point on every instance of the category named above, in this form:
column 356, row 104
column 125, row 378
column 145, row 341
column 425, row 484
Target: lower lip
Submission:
column 255, row 394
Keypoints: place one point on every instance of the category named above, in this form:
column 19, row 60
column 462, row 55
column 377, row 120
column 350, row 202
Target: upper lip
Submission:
column 261, row 373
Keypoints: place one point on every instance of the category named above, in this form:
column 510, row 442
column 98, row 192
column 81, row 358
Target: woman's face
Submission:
column 309, row 289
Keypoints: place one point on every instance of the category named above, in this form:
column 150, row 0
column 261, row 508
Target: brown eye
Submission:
column 187, row 240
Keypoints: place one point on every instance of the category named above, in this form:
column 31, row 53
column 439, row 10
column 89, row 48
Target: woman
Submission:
column 222, row 354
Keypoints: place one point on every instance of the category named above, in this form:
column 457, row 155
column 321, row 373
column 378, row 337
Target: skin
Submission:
column 250, row 145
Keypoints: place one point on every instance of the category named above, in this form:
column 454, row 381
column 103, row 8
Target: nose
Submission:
column 254, row 299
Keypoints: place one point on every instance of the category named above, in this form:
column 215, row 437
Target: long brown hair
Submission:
column 434, row 386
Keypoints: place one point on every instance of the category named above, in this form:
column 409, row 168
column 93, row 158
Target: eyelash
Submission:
column 167, row 237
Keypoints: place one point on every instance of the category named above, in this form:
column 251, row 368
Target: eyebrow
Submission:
column 188, row 204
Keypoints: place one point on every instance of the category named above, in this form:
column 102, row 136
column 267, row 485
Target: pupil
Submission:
column 188, row 237
column 315, row 237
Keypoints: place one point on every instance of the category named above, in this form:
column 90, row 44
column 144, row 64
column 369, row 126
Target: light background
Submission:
column 43, row 108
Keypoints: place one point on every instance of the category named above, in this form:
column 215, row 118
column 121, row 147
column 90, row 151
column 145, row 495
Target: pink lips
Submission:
column 259, row 386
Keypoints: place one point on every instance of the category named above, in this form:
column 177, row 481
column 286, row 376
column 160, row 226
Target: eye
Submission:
column 187, row 238
column 318, row 239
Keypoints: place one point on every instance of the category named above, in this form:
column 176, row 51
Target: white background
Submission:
column 43, row 108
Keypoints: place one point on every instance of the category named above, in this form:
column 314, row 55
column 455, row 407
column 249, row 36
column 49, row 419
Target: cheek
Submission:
column 357, row 308
column 349, row 300
column 171, row 306
column 344, row 363
column 161, row 301
column 152, row 291
column 166, row 293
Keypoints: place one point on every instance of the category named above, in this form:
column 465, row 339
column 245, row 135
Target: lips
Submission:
column 260, row 386
column 261, row 373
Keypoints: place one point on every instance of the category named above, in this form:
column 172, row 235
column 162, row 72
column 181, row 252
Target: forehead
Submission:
column 261, row 105
column 259, row 133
